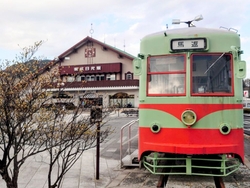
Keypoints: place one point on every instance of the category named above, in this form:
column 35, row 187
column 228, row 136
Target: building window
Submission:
column 92, row 77
column 128, row 76
column 82, row 78
column 100, row 77
column 78, row 78
column 110, row 77
column 70, row 79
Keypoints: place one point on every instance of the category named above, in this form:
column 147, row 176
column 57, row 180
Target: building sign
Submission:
column 90, row 52
column 188, row 44
column 91, row 69
column 87, row 68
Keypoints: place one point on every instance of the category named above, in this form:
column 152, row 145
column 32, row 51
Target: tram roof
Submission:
column 192, row 31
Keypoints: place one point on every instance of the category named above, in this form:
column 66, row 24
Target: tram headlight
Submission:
column 225, row 128
column 188, row 117
column 155, row 128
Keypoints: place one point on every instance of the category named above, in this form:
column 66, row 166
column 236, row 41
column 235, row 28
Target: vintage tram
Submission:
column 190, row 101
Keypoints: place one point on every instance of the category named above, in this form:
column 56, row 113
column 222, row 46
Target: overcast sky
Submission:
column 120, row 23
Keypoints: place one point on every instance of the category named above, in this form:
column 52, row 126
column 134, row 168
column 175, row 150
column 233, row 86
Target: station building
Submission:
column 95, row 73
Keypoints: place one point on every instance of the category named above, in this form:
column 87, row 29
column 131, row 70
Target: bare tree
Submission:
column 75, row 134
column 26, row 128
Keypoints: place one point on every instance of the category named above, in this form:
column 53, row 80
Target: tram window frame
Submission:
column 172, row 75
column 208, row 77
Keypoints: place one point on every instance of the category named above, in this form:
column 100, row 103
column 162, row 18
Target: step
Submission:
column 131, row 160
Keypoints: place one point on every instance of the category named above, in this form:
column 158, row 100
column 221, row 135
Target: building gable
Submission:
column 89, row 44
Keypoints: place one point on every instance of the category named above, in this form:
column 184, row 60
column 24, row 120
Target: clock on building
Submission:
column 90, row 52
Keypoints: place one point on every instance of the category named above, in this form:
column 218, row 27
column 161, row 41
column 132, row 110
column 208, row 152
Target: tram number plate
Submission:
column 188, row 44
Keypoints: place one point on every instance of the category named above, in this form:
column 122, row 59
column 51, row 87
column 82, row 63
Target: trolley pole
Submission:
column 98, row 150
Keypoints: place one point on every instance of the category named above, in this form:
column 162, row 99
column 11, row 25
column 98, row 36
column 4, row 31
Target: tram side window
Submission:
column 166, row 75
column 211, row 74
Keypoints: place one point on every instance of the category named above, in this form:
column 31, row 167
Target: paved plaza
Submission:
column 33, row 174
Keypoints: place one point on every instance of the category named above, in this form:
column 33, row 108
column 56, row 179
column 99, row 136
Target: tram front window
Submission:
column 211, row 74
column 166, row 75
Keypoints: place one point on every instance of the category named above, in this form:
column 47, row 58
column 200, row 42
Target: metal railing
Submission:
column 128, row 140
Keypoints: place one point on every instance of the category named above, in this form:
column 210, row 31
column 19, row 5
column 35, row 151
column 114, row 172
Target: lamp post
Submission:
column 96, row 117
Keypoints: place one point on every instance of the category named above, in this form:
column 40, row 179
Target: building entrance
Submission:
column 121, row 100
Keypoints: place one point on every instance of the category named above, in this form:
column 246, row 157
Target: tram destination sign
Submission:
column 188, row 44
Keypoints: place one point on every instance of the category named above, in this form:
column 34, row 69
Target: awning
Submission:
column 120, row 95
